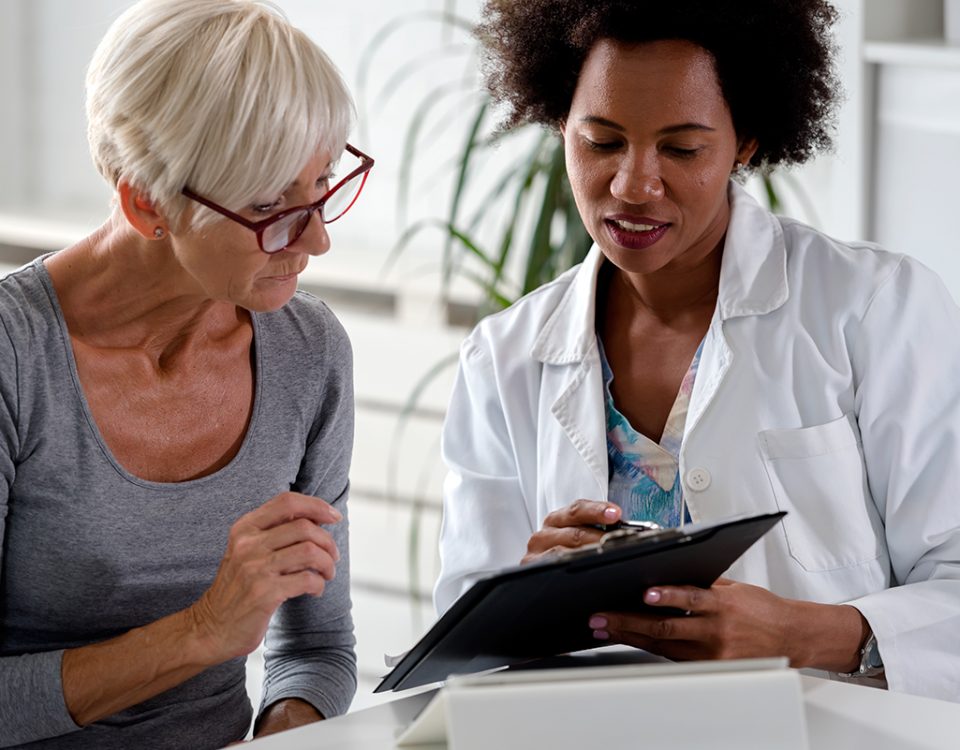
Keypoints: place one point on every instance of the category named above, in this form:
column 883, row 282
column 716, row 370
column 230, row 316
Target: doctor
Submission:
column 709, row 359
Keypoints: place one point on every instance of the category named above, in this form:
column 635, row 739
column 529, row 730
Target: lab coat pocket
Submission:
column 818, row 477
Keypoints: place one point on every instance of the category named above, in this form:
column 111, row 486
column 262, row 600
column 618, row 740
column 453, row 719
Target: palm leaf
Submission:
column 411, row 137
column 460, row 184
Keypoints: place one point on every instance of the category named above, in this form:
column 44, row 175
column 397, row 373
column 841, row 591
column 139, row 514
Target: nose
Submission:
column 315, row 239
column 638, row 180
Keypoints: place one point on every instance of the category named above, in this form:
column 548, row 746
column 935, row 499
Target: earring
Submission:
column 158, row 233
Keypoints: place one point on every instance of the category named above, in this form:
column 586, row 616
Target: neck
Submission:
column 671, row 292
column 120, row 290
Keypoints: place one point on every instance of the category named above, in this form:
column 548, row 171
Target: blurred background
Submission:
column 457, row 220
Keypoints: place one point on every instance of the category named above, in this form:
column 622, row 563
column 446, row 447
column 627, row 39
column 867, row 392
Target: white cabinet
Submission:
column 896, row 178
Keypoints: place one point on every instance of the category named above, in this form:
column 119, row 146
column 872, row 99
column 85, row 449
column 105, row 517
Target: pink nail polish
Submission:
column 601, row 635
column 597, row 622
column 610, row 514
column 652, row 596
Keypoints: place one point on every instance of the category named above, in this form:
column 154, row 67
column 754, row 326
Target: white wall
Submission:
column 917, row 186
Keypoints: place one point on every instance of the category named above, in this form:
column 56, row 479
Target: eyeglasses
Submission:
column 278, row 232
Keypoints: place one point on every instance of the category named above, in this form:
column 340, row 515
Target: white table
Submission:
column 839, row 717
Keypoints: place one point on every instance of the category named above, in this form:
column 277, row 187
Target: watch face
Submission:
column 871, row 656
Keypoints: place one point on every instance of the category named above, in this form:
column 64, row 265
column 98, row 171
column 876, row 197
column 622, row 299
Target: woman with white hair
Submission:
column 176, row 419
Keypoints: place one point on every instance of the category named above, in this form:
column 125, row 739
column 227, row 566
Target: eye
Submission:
column 323, row 184
column 266, row 208
column 600, row 145
column 681, row 152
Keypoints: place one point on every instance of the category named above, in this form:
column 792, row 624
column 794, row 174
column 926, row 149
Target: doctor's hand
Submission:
column 571, row 527
column 733, row 620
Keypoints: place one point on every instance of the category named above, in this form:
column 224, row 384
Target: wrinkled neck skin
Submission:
column 120, row 290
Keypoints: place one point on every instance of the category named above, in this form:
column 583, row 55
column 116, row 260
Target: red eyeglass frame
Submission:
column 259, row 227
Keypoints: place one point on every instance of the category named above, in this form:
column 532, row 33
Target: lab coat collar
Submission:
column 753, row 281
column 753, row 274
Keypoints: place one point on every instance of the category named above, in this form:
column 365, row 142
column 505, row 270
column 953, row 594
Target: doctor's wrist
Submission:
column 829, row 637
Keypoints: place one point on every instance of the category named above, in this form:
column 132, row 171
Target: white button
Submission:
column 698, row 479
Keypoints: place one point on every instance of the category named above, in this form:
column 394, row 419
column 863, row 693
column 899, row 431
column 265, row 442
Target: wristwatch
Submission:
column 870, row 662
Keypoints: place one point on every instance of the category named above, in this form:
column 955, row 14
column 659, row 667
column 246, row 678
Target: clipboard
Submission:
column 541, row 609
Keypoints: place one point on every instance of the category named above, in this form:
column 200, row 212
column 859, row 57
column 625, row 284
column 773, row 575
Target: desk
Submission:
column 839, row 716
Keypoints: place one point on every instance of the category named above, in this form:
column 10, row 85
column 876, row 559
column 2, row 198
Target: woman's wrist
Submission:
column 106, row 677
column 827, row 636
column 201, row 646
column 202, row 643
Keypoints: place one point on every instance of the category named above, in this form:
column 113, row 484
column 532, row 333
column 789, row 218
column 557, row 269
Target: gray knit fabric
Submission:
column 90, row 551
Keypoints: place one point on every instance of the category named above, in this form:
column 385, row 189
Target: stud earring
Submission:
column 158, row 233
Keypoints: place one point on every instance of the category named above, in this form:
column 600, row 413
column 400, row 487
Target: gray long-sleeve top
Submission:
column 90, row 551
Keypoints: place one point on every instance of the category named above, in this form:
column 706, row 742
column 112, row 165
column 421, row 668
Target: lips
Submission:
column 285, row 276
column 635, row 232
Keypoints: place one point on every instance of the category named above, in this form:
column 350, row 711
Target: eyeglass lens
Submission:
column 285, row 232
column 338, row 203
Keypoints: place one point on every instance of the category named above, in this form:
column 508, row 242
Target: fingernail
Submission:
column 597, row 622
column 610, row 514
column 652, row 596
column 601, row 635
column 337, row 515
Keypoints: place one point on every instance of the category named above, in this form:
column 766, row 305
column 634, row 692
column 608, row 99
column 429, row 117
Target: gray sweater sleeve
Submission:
column 31, row 693
column 310, row 642
column 31, row 699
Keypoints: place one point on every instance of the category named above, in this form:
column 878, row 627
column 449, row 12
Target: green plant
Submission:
column 525, row 221
column 508, row 229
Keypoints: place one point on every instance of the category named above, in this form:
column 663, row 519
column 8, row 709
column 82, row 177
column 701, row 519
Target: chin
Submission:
column 635, row 261
column 270, row 297
column 265, row 303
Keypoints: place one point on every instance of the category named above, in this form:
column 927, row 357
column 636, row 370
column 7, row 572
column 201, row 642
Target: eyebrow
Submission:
column 669, row 130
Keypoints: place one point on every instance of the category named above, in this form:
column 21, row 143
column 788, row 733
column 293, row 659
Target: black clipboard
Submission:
column 533, row 611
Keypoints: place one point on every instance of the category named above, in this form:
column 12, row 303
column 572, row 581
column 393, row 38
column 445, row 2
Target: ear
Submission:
column 141, row 212
column 746, row 150
column 562, row 129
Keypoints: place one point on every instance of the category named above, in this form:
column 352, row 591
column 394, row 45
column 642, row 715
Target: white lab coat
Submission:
column 829, row 387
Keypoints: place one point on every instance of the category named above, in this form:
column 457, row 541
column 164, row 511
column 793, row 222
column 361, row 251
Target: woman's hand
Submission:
column 733, row 620
column 571, row 527
column 274, row 553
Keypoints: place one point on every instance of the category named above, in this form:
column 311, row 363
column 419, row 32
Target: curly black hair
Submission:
column 774, row 60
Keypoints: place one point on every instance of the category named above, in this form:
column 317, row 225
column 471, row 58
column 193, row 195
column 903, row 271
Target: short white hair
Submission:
column 222, row 96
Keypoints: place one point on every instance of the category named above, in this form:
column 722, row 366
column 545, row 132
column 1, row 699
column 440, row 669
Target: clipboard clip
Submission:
column 620, row 536
column 631, row 534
